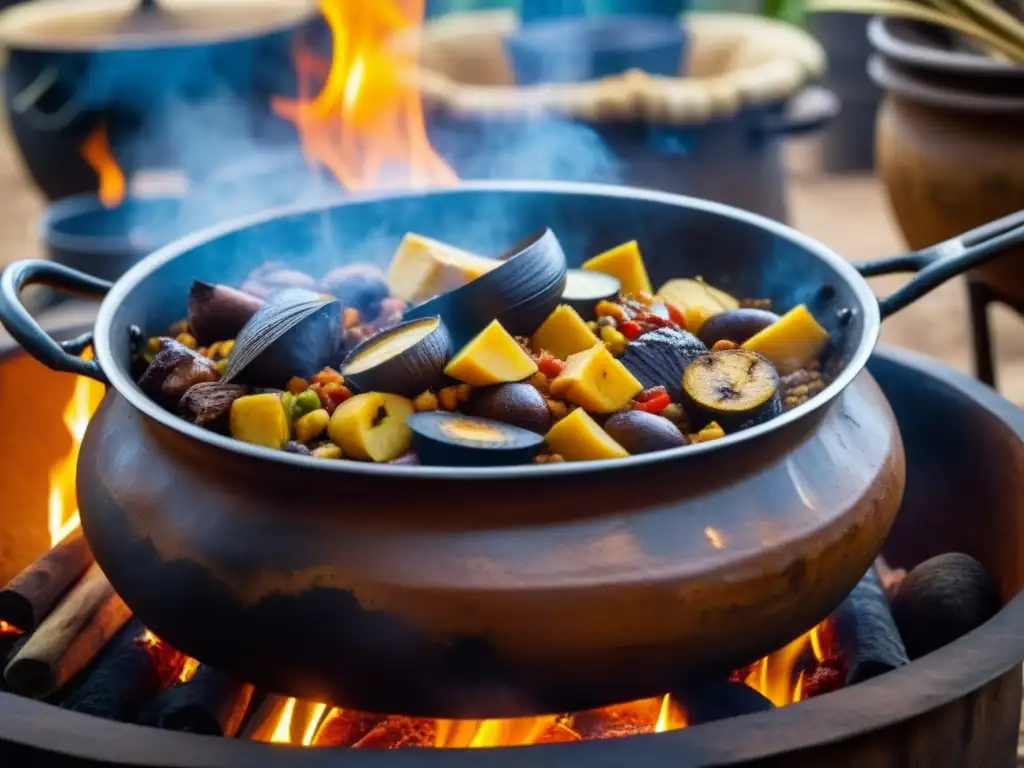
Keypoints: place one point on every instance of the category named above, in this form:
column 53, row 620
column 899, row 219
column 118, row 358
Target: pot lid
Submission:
column 88, row 25
column 734, row 60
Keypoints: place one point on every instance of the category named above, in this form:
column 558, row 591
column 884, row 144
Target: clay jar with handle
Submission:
column 950, row 142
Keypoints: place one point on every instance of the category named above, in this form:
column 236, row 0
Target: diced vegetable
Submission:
column 422, row 268
column 792, row 342
column 563, row 333
column 260, row 420
column 491, row 357
column 307, row 402
column 311, row 426
column 372, row 426
column 697, row 300
column 625, row 263
column 578, row 437
column 596, row 381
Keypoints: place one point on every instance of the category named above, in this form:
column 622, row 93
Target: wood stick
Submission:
column 69, row 638
column 261, row 724
column 718, row 700
column 123, row 678
column 864, row 634
column 211, row 703
column 30, row 596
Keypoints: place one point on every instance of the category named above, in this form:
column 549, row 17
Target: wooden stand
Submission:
column 980, row 295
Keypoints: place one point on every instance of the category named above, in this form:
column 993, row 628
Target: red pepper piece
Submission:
column 549, row 365
column 630, row 329
column 676, row 315
column 653, row 400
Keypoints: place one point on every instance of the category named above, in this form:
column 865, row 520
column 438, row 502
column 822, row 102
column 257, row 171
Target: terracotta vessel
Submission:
column 494, row 591
column 950, row 148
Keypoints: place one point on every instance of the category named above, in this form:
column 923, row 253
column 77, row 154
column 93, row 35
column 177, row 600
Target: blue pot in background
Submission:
column 541, row 10
column 572, row 50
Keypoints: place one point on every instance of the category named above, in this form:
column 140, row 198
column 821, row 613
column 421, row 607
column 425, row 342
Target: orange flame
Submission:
column 96, row 151
column 63, row 502
column 8, row 629
column 780, row 677
column 366, row 124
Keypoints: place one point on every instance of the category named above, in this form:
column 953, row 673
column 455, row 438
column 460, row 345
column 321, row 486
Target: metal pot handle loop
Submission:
column 60, row 356
column 950, row 258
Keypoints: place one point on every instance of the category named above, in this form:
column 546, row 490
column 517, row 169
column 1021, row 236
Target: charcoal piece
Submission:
column 941, row 600
column 719, row 700
column 864, row 633
column 126, row 675
column 211, row 703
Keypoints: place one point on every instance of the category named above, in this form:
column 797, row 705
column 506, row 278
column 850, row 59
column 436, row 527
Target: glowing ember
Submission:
column 189, row 670
column 8, row 629
column 63, row 503
column 365, row 124
column 96, row 151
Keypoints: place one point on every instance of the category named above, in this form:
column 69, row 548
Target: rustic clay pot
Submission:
column 467, row 591
column 950, row 142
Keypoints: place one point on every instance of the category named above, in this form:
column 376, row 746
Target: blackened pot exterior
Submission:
column 421, row 590
column 141, row 94
column 459, row 597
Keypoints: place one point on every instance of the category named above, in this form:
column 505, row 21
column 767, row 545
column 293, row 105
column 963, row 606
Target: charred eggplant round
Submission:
column 659, row 357
column 219, row 312
column 735, row 387
column 585, row 287
column 287, row 338
column 642, row 432
column 519, row 293
column 735, row 325
column 454, row 439
column 405, row 360
column 516, row 403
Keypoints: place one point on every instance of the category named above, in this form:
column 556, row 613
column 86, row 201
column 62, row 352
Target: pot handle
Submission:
column 809, row 110
column 62, row 356
column 938, row 263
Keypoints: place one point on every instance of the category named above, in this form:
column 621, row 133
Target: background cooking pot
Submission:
column 421, row 589
column 72, row 66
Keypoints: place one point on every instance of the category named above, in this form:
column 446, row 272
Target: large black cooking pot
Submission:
column 202, row 70
column 493, row 591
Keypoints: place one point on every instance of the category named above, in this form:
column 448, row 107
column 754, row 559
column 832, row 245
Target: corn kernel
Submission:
column 614, row 340
column 311, row 426
column 559, row 410
column 549, row 458
column 178, row 328
column 711, row 432
column 222, row 365
column 187, row 339
column 606, row 308
column 463, row 391
column 425, row 401
column 674, row 412
column 449, row 398
column 296, row 385
column 723, row 344
column 212, row 351
column 328, row 452
column 226, row 347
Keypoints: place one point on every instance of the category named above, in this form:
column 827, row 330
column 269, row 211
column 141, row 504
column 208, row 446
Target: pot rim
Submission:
column 121, row 381
column 886, row 42
column 925, row 685
column 17, row 22
column 95, row 246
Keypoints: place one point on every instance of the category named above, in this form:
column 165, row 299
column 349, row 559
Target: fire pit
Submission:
column 962, row 494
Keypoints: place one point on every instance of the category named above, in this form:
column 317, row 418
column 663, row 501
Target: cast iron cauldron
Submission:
column 460, row 592
column 72, row 66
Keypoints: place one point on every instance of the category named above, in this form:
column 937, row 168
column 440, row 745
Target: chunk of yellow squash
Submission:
column 697, row 300
column 791, row 342
column 422, row 268
column 595, row 380
column 578, row 437
column 491, row 357
column 625, row 263
column 563, row 333
column 260, row 420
